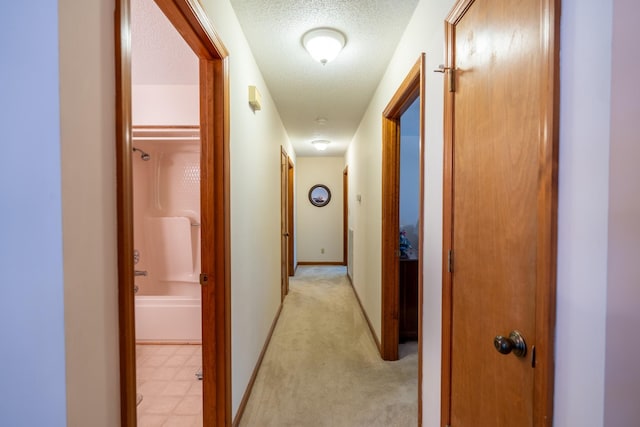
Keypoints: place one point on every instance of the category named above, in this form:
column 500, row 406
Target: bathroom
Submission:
column 165, row 167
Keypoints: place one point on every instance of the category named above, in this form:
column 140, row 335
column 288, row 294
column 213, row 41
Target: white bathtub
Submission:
column 168, row 319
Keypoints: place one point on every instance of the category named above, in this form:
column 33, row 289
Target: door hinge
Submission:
column 450, row 261
column 204, row 279
column 452, row 79
column 450, row 72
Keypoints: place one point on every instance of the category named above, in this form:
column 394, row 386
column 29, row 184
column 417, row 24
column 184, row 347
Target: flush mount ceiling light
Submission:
column 320, row 144
column 323, row 44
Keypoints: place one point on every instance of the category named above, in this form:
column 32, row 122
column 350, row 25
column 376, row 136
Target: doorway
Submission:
column 500, row 207
column 189, row 19
column 285, row 220
column 393, row 248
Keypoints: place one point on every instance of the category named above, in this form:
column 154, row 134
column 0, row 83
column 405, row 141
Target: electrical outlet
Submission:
column 321, row 250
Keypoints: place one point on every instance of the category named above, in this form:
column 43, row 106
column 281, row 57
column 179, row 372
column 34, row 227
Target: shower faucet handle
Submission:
column 137, row 273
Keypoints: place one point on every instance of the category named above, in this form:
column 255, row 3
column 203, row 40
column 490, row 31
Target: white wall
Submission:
column 172, row 105
column 32, row 365
column 87, row 103
column 255, row 201
column 622, row 376
column 319, row 227
column 582, row 211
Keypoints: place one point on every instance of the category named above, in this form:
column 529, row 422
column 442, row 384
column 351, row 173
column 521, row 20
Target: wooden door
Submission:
column 290, row 200
column 345, row 215
column 500, row 190
column 284, row 228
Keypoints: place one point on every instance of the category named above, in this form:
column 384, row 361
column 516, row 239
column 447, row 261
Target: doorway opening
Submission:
column 395, row 249
column 189, row 19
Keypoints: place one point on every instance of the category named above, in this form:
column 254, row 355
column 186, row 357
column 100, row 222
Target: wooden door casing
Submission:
column 191, row 21
column 500, row 211
column 411, row 88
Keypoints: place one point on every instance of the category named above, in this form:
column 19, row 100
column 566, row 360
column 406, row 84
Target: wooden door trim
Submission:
column 290, row 215
column 124, row 195
column 345, row 215
column 190, row 20
column 546, row 211
column 410, row 89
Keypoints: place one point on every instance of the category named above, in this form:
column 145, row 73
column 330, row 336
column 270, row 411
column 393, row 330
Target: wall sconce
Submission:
column 323, row 44
column 320, row 144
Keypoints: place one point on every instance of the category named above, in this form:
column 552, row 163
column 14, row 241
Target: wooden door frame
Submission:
column 546, row 212
column 345, row 215
column 412, row 88
column 290, row 215
column 190, row 20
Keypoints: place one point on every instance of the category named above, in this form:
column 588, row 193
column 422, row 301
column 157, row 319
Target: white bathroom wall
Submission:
column 319, row 230
column 169, row 105
column 256, row 138
column 32, row 360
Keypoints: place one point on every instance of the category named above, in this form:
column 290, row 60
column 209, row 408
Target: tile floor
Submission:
column 171, row 393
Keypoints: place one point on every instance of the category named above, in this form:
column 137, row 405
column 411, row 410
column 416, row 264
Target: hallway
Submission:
column 322, row 367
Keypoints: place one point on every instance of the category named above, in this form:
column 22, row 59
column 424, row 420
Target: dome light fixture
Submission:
column 323, row 44
column 320, row 144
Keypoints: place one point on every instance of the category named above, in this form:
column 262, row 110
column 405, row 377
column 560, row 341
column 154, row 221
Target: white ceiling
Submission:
column 303, row 90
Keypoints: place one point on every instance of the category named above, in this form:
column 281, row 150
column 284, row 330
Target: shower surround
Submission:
column 167, row 235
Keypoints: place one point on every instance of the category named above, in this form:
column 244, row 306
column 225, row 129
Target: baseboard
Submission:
column 364, row 313
column 252, row 380
column 320, row 263
column 151, row 342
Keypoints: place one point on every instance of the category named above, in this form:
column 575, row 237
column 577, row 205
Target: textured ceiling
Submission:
column 303, row 89
column 159, row 54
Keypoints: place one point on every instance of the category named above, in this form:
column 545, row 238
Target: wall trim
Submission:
column 319, row 263
column 364, row 313
column 256, row 369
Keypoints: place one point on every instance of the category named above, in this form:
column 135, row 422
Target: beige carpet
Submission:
column 322, row 367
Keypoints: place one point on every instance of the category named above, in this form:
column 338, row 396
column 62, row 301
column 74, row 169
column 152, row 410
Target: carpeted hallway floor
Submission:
column 322, row 367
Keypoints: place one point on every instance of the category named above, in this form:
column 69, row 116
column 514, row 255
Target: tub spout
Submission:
column 140, row 273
